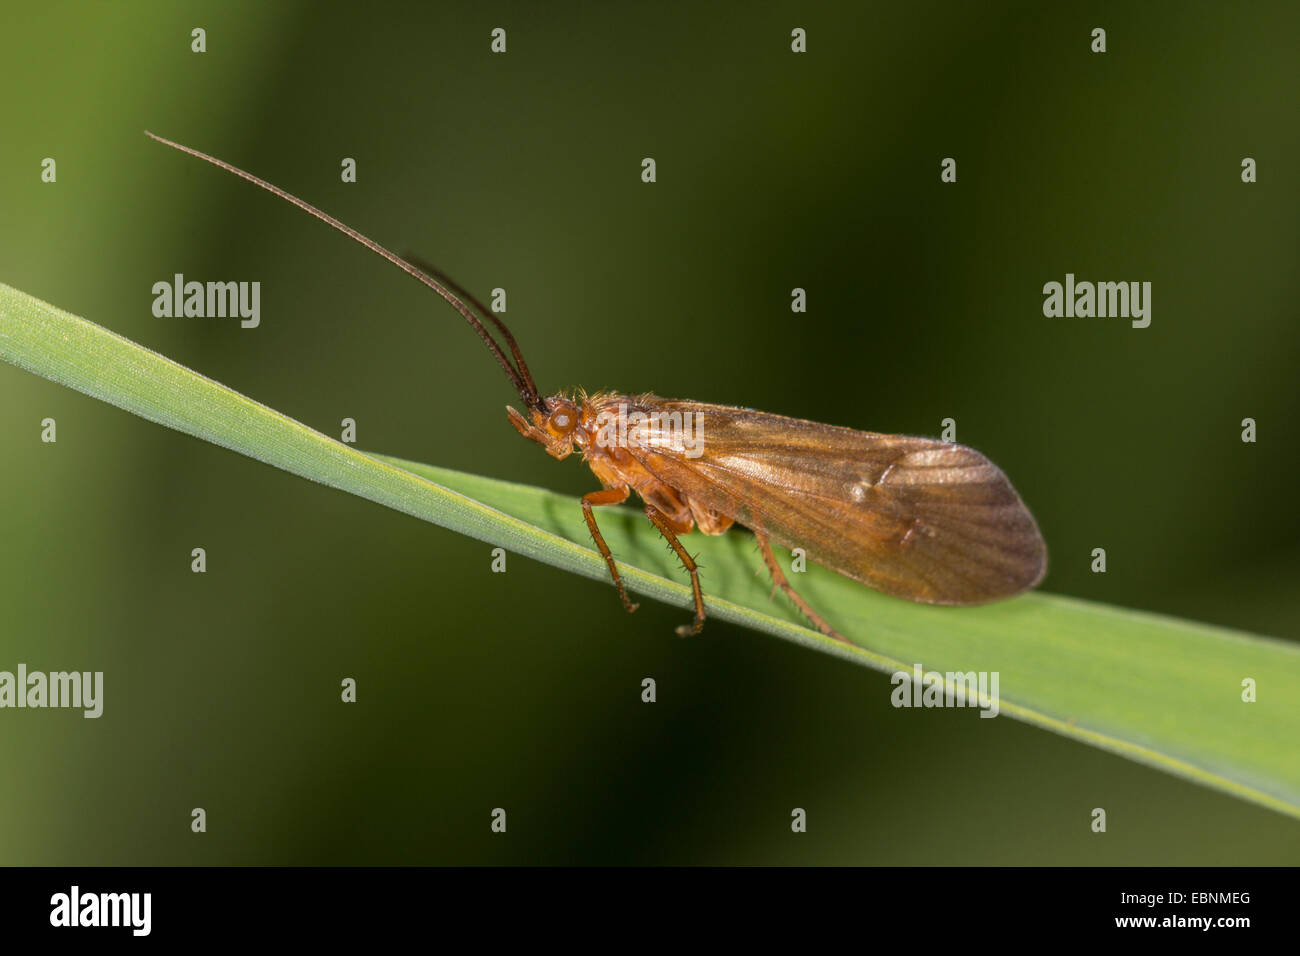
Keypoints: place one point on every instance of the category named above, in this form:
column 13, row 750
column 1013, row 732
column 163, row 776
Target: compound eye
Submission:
column 563, row 419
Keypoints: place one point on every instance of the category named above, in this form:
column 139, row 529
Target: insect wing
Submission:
column 923, row 519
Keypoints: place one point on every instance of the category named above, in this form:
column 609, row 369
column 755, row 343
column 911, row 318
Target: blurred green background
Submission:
column 775, row 170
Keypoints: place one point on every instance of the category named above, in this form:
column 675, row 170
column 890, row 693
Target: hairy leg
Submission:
column 779, row 580
column 660, row 522
column 609, row 496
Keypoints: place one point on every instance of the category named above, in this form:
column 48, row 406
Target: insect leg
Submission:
column 658, row 520
column 609, row 496
column 779, row 580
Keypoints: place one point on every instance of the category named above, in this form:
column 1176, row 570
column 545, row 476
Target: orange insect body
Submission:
column 578, row 421
column 927, row 520
column 922, row 519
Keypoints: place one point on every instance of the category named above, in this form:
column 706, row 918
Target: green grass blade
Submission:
column 1158, row 690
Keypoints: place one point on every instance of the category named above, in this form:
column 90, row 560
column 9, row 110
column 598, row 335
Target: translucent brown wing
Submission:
column 919, row 518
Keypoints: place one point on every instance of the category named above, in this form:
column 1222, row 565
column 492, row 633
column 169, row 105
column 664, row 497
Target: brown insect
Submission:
column 922, row 519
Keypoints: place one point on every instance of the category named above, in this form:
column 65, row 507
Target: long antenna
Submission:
column 520, row 378
column 456, row 287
